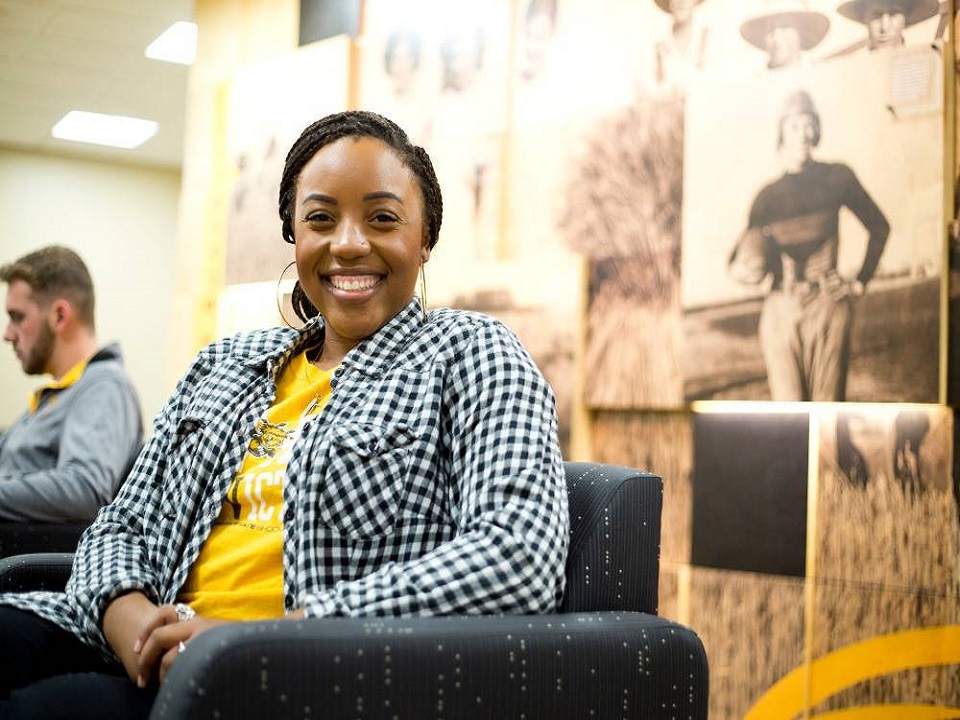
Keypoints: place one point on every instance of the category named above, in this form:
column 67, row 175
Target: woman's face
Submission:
column 783, row 46
column 682, row 10
column 403, row 65
column 358, row 226
column 885, row 28
column 460, row 61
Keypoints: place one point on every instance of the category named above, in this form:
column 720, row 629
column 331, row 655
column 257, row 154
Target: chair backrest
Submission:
column 613, row 561
column 614, row 558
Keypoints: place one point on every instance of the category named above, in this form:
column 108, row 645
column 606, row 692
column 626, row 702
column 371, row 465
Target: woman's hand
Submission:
column 123, row 620
column 161, row 640
column 147, row 638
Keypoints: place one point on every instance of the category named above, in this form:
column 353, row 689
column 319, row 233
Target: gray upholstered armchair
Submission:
column 605, row 654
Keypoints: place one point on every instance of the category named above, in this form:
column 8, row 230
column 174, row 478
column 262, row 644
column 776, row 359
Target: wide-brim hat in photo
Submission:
column 811, row 25
column 665, row 4
column 914, row 11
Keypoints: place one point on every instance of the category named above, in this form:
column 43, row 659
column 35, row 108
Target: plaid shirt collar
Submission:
column 372, row 356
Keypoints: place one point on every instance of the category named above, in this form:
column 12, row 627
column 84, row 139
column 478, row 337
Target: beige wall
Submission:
column 231, row 34
column 123, row 221
column 156, row 253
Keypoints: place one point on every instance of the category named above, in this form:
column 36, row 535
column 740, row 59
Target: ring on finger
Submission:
column 184, row 612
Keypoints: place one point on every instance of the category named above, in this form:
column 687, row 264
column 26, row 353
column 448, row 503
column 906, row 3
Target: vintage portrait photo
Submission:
column 887, row 536
column 812, row 249
column 264, row 109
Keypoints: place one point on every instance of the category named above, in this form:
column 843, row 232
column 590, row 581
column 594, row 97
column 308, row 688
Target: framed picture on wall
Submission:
column 812, row 240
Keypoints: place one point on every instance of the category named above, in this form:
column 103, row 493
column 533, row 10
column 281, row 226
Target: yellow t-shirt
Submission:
column 239, row 572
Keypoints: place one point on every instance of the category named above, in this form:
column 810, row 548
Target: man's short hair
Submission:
column 55, row 272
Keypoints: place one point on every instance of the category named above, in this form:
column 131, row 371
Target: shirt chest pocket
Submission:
column 365, row 479
column 190, row 465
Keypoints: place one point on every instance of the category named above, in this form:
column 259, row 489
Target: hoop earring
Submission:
column 279, row 297
column 423, row 292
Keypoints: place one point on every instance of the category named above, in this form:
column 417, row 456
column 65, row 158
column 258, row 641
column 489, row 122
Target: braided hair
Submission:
column 356, row 123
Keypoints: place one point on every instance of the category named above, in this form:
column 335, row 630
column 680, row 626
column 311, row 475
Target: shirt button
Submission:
column 288, row 514
column 288, row 601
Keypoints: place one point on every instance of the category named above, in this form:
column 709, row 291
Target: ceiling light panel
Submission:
column 111, row 130
column 177, row 44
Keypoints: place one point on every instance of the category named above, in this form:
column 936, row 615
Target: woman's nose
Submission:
column 350, row 241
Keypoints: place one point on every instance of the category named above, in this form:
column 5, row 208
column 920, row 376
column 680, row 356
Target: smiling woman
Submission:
column 380, row 461
column 359, row 239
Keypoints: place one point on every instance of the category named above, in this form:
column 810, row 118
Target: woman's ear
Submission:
column 424, row 254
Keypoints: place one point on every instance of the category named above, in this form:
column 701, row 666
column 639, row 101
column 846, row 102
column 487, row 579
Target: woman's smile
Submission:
column 354, row 285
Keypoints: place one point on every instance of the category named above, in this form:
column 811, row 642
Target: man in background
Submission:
column 67, row 454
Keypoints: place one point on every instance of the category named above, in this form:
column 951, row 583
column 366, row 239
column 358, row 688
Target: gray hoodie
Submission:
column 64, row 461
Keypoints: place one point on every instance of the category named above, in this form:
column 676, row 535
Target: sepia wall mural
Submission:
column 682, row 207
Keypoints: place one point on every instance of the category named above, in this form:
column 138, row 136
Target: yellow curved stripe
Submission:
column 892, row 712
column 854, row 663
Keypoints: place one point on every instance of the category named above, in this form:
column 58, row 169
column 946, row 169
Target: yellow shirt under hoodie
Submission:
column 239, row 572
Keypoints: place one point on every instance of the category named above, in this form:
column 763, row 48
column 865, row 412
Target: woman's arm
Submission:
column 113, row 556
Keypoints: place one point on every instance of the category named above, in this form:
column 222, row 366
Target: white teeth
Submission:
column 354, row 282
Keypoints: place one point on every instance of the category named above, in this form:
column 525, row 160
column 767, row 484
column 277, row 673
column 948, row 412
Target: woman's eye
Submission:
column 384, row 217
column 318, row 217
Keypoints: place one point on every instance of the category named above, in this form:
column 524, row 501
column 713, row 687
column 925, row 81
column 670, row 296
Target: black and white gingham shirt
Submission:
column 430, row 484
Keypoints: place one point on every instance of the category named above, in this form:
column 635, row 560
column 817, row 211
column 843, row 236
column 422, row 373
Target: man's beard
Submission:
column 35, row 363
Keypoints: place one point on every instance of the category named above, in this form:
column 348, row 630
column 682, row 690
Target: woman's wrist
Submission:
column 121, row 622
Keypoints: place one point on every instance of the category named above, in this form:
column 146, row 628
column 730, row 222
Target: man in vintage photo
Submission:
column 536, row 39
column 792, row 237
column 886, row 20
column 682, row 53
column 785, row 31
column 406, row 99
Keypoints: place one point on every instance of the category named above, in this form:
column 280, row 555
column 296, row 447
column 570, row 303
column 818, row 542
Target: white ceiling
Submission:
column 61, row 55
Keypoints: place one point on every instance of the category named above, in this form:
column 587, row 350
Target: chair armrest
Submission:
column 39, row 571
column 26, row 538
column 602, row 665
